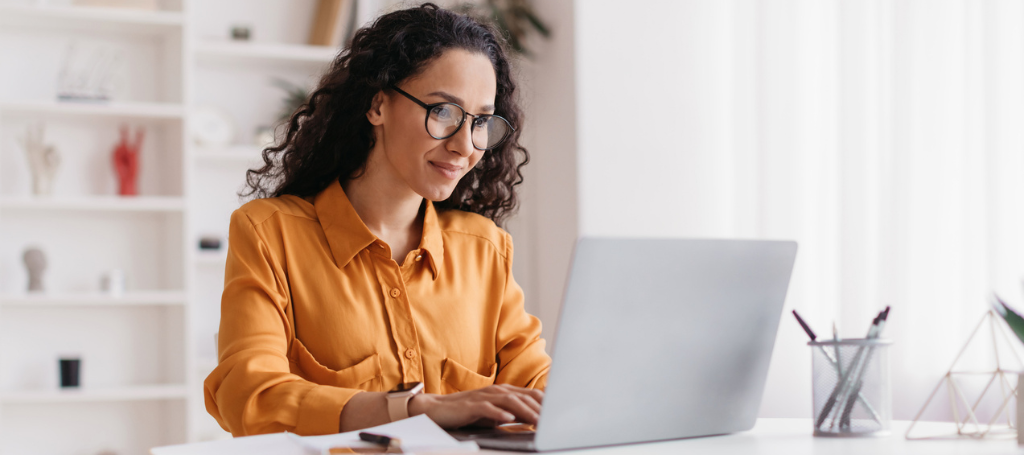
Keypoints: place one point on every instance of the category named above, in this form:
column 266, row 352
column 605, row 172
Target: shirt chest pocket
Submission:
column 457, row 378
column 364, row 375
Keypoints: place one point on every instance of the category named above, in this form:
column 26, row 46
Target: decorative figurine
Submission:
column 35, row 262
column 70, row 372
column 112, row 283
column 209, row 243
column 43, row 160
column 264, row 136
column 126, row 161
column 241, row 32
column 90, row 76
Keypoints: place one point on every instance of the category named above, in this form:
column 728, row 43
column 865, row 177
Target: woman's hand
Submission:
column 491, row 405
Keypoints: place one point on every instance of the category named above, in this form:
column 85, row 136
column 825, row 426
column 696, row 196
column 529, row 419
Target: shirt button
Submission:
column 419, row 256
column 395, row 293
column 410, row 354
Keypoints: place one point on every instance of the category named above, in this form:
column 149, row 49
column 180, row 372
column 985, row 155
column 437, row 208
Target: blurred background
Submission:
column 884, row 136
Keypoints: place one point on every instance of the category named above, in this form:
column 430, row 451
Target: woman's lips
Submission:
column 450, row 171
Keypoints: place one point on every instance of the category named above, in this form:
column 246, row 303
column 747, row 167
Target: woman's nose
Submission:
column 462, row 141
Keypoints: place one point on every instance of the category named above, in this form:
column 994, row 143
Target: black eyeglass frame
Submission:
column 430, row 107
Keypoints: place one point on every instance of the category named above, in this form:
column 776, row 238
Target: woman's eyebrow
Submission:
column 454, row 99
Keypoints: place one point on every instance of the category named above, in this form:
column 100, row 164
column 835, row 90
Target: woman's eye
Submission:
column 443, row 112
column 480, row 122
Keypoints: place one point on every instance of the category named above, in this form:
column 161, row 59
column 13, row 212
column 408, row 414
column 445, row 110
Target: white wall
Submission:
column 877, row 134
column 653, row 85
column 546, row 229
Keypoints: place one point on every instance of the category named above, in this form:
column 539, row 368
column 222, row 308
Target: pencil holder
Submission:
column 852, row 391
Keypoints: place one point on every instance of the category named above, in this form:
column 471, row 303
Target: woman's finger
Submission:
column 513, row 403
column 537, row 395
column 530, row 401
column 488, row 410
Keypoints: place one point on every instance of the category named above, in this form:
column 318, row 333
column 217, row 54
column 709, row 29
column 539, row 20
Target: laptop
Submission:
column 658, row 339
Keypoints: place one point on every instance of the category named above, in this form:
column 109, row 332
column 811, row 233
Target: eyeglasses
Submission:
column 445, row 119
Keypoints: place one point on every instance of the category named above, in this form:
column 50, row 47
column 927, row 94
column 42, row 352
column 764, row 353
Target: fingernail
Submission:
column 509, row 417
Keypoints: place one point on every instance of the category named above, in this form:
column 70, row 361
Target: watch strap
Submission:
column 398, row 405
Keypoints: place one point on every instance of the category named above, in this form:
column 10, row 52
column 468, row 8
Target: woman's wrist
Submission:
column 420, row 403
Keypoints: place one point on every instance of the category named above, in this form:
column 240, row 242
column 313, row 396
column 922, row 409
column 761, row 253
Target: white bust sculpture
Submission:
column 35, row 262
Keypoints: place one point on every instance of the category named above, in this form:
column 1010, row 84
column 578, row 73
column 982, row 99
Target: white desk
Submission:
column 793, row 437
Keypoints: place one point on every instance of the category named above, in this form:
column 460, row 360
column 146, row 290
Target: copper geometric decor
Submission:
column 998, row 387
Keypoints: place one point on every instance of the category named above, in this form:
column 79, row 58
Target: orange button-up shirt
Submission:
column 315, row 310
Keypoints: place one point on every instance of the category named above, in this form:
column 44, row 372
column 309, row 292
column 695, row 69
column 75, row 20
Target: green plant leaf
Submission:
column 514, row 19
column 1013, row 319
column 537, row 24
column 295, row 97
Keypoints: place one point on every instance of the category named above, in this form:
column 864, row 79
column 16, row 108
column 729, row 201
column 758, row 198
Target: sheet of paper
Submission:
column 418, row 434
column 277, row 443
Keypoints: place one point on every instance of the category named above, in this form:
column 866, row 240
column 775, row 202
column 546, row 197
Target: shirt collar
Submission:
column 347, row 235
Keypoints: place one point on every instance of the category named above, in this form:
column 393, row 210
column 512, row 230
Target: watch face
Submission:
column 405, row 387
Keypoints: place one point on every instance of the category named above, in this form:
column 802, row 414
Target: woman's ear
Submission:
column 374, row 115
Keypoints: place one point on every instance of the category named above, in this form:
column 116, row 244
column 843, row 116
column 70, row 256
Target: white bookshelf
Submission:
column 135, row 347
column 147, row 351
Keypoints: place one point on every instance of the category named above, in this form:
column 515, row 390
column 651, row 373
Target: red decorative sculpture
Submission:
column 126, row 161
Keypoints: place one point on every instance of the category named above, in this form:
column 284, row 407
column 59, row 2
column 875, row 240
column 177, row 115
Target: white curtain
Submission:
column 887, row 137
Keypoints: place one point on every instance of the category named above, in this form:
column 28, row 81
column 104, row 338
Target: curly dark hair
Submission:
column 329, row 137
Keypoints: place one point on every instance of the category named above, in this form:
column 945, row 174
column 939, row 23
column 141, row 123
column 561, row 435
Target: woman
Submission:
column 373, row 259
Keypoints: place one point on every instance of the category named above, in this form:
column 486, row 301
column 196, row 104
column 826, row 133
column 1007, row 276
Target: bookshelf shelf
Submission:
column 213, row 258
column 83, row 299
column 91, row 19
column 125, row 110
column 227, row 52
column 94, row 203
column 233, row 153
column 85, row 395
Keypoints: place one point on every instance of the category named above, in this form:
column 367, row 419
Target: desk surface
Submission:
column 793, row 437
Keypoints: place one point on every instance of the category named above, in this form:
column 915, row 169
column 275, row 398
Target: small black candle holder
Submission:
column 70, row 372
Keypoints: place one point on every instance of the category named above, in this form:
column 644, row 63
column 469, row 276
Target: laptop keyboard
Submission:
column 524, row 436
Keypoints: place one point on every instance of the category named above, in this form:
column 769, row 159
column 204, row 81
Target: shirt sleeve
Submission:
column 252, row 390
column 521, row 357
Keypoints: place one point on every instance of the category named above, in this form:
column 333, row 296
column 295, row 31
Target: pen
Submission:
column 839, row 358
column 393, row 444
column 844, row 420
column 803, row 324
column 856, row 367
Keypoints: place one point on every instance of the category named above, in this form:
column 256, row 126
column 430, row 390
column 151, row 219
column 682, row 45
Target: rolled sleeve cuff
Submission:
column 540, row 382
column 320, row 410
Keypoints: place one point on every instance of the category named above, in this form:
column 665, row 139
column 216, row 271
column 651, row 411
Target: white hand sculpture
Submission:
column 43, row 160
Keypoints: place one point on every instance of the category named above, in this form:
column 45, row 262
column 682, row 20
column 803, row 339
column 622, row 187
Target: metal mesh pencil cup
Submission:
column 852, row 390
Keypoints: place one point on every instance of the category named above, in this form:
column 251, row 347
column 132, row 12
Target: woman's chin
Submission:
column 437, row 193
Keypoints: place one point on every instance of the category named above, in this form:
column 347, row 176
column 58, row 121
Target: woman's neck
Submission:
column 388, row 207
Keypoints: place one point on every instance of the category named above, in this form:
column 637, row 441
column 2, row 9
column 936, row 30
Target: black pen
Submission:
column 386, row 441
column 803, row 324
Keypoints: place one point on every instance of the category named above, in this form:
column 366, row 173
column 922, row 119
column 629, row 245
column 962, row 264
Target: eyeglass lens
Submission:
column 487, row 131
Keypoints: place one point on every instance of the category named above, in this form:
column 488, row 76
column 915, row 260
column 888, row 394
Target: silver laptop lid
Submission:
column 663, row 339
